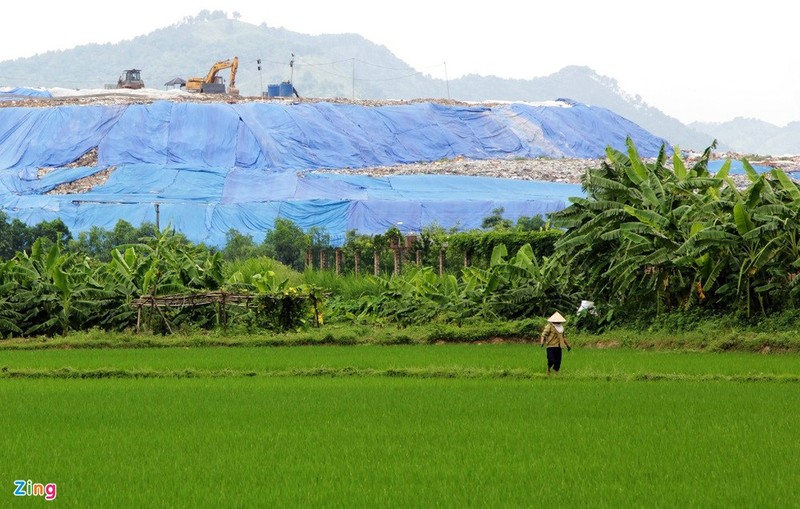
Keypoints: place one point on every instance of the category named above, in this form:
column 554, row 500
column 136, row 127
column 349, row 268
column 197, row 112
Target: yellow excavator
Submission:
column 213, row 84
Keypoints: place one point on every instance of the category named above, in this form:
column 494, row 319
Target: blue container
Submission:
column 286, row 89
column 273, row 90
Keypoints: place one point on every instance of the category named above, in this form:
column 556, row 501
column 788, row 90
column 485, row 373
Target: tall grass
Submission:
column 261, row 265
column 344, row 286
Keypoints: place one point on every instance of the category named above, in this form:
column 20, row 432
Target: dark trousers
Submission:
column 554, row 357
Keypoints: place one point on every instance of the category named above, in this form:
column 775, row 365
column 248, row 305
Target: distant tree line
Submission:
column 16, row 236
column 292, row 246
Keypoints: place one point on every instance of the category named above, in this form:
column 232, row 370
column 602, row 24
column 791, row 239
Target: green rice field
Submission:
column 400, row 426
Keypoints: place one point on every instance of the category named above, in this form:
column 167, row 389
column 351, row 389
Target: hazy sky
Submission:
column 695, row 60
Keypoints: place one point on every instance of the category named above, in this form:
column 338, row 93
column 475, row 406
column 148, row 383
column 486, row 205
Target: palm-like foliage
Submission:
column 678, row 236
column 55, row 291
column 510, row 288
column 9, row 315
column 525, row 286
column 629, row 235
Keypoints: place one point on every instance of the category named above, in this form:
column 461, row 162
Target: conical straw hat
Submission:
column 556, row 318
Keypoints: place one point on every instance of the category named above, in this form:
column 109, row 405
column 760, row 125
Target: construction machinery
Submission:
column 213, row 84
column 130, row 78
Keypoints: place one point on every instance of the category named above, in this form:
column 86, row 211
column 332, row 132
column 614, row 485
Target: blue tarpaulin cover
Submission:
column 216, row 167
column 11, row 93
column 737, row 167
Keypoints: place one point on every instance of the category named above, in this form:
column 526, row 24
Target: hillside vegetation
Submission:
column 333, row 65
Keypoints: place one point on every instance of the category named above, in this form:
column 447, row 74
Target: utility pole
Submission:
column 447, row 81
column 291, row 65
column 260, row 78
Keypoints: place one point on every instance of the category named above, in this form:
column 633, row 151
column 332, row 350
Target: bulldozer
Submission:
column 130, row 78
column 213, row 84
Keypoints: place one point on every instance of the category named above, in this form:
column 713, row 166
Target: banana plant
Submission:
column 529, row 286
column 759, row 217
column 645, row 229
column 55, row 292
column 9, row 316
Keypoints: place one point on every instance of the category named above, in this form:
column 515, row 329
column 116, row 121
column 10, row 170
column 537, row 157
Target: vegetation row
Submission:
column 652, row 242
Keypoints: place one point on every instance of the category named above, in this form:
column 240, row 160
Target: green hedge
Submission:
column 479, row 245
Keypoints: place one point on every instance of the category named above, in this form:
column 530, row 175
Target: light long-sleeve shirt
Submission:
column 552, row 338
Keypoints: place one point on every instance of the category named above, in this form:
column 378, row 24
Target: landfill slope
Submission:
column 212, row 166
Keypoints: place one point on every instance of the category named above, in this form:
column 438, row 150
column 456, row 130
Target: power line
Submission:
column 354, row 60
column 391, row 79
column 381, row 66
column 334, row 62
column 338, row 75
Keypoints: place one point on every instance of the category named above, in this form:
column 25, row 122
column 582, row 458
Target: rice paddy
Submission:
column 401, row 426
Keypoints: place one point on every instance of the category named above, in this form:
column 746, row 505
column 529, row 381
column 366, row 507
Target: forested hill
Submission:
column 342, row 65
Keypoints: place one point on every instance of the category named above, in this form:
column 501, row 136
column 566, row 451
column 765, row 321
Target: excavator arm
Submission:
column 210, row 83
column 219, row 66
column 232, row 90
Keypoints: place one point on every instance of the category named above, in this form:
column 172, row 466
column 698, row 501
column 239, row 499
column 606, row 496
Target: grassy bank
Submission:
column 712, row 336
column 455, row 360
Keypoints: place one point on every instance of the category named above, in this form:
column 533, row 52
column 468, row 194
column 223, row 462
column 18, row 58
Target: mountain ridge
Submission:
column 348, row 66
column 751, row 135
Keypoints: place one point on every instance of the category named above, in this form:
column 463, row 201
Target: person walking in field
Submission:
column 554, row 338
